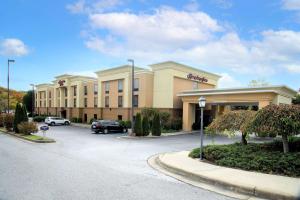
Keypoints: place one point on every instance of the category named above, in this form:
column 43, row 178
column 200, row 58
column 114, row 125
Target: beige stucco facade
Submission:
column 169, row 86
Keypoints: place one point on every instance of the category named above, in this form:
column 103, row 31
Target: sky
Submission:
column 237, row 39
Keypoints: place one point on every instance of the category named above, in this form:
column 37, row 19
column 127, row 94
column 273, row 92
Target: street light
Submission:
column 8, row 61
column 132, row 92
column 202, row 102
column 33, row 100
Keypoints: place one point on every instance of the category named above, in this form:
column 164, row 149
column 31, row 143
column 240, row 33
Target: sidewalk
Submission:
column 82, row 125
column 244, row 182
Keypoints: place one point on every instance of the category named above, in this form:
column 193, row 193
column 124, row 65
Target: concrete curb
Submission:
column 154, row 137
column 244, row 190
column 23, row 138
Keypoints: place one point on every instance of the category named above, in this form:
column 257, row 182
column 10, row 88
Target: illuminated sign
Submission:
column 196, row 78
column 61, row 82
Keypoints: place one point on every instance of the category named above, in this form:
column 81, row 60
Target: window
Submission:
column 85, row 102
column 119, row 117
column 120, row 85
column 40, row 94
column 49, row 94
column 75, row 90
column 66, row 102
column 120, row 101
column 95, row 89
column 106, row 101
column 85, row 118
column 136, row 85
column 106, row 87
column 95, row 102
column 49, row 104
column 66, row 92
column 85, row 90
column 135, row 100
column 40, row 103
column 58, row 93
column 36, row 104
column 74, row 102
column 36, row 95
column 95, row 116
column 195, row 85
column 45, row 103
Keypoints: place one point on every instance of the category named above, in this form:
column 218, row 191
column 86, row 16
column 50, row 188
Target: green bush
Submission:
column 127, row 123
column 165, row 120
column 156, row 127
column 20, row 116
column 77, row 120
column 145, row 126
column 138, row 125
column 265, row 157
column 27, row 128
column 39, row 118
column 276, row 120
column 92, row 120
column 2, row 117
column 9, row 121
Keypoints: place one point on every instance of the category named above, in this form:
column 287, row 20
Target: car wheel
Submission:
column 105, row 131
column 67, row 123
column 96, row 132
column 52, row 123
column 124, row 130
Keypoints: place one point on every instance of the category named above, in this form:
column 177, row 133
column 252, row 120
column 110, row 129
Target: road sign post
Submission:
column 44, row 129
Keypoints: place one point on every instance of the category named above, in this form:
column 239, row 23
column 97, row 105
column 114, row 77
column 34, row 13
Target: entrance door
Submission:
column 206, row 118
column 63, row 113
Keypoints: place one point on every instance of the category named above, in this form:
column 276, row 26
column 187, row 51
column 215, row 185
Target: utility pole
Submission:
column 8, row 61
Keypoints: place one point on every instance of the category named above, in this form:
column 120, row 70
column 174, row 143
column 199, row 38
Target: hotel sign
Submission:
column 196, row 78
column 61, row 82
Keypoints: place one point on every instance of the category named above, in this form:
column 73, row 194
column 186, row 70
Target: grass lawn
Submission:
column 266, row 157
column 34, row 137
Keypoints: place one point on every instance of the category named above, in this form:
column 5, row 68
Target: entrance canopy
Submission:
column 224, row 99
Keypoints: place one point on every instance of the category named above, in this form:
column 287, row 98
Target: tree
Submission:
column 138, row 125
column 156, row 126
column 233, row 121
column 145, row 126
column 275, row 120
column 296, row 100
column 258, row 83
column 28, row 100
column 165, row 119
column 20, row 116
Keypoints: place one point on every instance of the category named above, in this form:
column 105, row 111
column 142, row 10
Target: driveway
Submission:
column 82, row 165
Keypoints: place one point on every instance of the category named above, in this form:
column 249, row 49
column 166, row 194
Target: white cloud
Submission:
column 192, row 6
column 291, row 4
column 293, row 68
column 92, row 6
column 13, row 47
column 227, row 81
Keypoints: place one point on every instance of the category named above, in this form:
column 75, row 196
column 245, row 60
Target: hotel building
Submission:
column 167, row 86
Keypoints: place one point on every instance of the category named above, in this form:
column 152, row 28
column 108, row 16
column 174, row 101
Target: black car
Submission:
column 106, row 126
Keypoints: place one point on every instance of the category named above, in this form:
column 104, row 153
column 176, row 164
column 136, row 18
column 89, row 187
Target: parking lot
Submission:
column 83, row 165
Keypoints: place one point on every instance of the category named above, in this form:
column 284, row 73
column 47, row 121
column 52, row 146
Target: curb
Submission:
column 249, row 191
column 154, row 137
column 23, row 138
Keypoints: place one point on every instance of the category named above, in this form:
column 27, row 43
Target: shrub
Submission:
column 128, row 123
column 176, row 124
column 8, row 121
column 165, row 119
column 39, row 118
column 92, row 120
column 149, row 112
column 138, row 125
column 254, row 157
column 20, row 116
column 2, row 116
column 79, row 120
column 276, row 120
column 156, row 127
column 145, row 126
column 231, row 122
column 27, row 128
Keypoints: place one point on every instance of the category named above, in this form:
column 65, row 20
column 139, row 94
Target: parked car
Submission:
column 56, row 120
column 106, row 126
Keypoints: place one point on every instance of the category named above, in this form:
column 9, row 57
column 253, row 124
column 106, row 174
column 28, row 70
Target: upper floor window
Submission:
column 120, row 85
column 120, row 101
column 75, row 90
column 66, row 92
column 85, row 90
column 106, row 87
column 66, row 103
column 95, row 89
column 136, row 85
column 40, row 103
column 85, row 102
column 49, row 104
column 95, row 102
column 49, row 94
column 74, row 102
column 136, row 101
column 107, row 101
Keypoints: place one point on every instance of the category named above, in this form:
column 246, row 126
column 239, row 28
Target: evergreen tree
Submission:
column 20, row 116
column 25, row 117
column 156, row 127
column 145, row 126
column 138, row 125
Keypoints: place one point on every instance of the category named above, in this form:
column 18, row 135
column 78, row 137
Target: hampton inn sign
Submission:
column 196, row 78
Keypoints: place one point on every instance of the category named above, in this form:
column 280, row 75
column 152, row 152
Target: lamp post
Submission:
column 8, row 61
column 202, row 102
column 132, row 93
column 33, row 100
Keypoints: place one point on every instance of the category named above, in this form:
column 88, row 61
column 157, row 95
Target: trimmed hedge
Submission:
column 39, row 118
column 266, row 157
column 138, row 125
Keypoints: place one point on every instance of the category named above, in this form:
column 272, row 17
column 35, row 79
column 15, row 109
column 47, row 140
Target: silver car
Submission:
column 56, row 120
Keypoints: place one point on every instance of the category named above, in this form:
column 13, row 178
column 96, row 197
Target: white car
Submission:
column 56, row 120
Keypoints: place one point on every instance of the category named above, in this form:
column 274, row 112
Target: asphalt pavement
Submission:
column 83, row 165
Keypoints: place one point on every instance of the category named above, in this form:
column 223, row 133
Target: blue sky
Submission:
column 241, row 40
